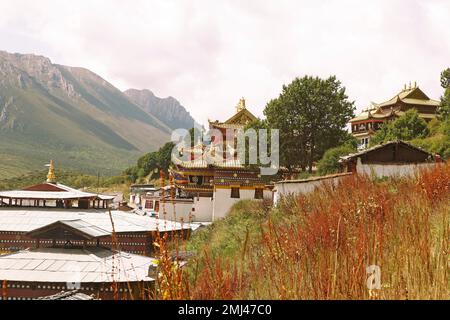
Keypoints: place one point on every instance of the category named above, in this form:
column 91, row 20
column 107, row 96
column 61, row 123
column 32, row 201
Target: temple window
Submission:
column 235, row 193
column 259, row 193
column 149, row 204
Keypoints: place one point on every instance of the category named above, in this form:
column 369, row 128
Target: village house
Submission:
column 146, row 198
column 395, row 158
column 370, row 120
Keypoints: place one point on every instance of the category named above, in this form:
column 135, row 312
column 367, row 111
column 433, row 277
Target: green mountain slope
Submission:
column 71, row 115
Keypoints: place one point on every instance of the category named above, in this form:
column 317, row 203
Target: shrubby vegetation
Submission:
column 149, row 165
column 330, row 160
column 433, row 137
column 407, row 127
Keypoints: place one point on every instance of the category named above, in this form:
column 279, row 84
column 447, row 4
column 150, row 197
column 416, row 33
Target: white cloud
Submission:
column 208, row 54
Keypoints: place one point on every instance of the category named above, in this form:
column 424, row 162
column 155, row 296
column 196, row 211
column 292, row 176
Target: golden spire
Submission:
column 51, row 178
column 241, row 105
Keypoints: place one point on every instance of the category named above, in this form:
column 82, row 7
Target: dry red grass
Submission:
column 318, row 246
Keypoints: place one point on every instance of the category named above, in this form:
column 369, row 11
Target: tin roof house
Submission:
column 58, row 238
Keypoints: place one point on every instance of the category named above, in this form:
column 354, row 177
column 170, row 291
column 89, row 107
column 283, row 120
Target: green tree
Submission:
column 434, row 126
column 311, row 114
column 330, row 160
column 149, row 164
column 438, row 141
column 444, row 109
column 407, row 127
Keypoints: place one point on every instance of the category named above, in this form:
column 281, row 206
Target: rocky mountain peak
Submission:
column 168, row 110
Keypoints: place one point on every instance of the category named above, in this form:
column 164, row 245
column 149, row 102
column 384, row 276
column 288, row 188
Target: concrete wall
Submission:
column 285, row 188
column 180, row 210
column 203, row 209
column 391, row 170
column 223, row 201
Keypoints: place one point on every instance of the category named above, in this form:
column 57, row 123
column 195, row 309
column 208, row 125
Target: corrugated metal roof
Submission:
column 66, row 193
column 87, row 228
column 23, row 194
column 74, row 265
column 68, row 295
column 28, row 219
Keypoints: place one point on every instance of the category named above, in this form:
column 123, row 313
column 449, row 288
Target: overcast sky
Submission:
column 208, row 54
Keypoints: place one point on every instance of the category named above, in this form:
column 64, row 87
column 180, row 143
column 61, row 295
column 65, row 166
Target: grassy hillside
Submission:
column 318, row 246
column 19, row 156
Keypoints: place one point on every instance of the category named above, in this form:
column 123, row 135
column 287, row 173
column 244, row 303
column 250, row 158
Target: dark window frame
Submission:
column 259, row 193
column 235, row 193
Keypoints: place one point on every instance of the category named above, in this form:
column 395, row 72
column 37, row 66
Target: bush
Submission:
column 330, row 161
column 407, row 127
column 439, row 140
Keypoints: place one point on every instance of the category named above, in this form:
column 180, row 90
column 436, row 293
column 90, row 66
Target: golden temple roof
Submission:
column 242, row 117
column 411, row 95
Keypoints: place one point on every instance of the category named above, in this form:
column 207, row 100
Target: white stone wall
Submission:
column 203, row 209
column 391, row 170
column 283, row 189
column 223, row 201
column 179, row 211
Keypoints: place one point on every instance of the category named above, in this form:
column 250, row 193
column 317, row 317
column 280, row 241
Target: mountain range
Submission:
column 72, row 115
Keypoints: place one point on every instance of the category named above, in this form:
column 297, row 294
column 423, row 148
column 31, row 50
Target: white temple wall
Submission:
column 283, row 189
column 391, row 170
column 223, row 201
column 179, row 211
column 203, row 209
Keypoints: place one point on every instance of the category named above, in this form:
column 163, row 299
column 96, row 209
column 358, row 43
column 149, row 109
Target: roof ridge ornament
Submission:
column 51, row 178
column 241, row 105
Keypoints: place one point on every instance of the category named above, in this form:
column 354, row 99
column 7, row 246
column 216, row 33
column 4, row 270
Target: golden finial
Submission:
column 241, row 105
column 51, row 178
